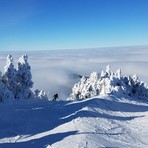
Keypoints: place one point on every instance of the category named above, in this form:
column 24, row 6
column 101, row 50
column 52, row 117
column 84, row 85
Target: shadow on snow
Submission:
column 39, row 143
column 42, row 117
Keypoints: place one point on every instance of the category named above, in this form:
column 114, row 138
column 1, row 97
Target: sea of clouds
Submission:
column 58, row 70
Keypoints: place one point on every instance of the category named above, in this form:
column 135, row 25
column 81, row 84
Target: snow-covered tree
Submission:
column 9, row 74
column 17, row 83
column 5, row 93
column 40, row 94
column 24, row 79
column 108, row 82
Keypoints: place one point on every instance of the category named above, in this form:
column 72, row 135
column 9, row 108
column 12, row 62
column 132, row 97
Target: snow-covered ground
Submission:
column 93, row 123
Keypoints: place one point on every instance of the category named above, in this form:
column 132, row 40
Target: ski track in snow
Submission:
column 92, row 123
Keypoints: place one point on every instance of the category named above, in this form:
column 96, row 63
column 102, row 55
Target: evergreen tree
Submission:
column 108, row 82
column 9, row 74
column 40, row 94
column 24, row 79
column 5, row 93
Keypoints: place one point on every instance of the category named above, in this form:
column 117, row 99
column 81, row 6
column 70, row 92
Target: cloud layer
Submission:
column 57, row 71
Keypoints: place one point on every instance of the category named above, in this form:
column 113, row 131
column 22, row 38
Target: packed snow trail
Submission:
column 92, row 123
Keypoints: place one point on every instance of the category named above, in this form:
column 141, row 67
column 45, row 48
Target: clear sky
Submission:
column 70, row 24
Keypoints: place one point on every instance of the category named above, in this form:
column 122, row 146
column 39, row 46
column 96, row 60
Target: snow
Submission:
column 109, row 82
column 104, row 121
column 99, row 121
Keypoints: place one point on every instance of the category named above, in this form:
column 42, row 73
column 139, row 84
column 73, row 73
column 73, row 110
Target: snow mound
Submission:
column 109, row 82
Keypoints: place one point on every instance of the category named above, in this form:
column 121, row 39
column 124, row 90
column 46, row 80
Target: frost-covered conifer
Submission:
column 5, row 93
column 118, row 73
column 108, row 72
column 109, row 82
column 40, row 94
column 24, row 79
column 9, row 74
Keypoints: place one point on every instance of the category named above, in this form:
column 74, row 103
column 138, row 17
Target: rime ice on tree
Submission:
column 17, row 83
column 9, row 73
column 40, row 94
column 5, row 93
column 24, row 82
column 108, row 82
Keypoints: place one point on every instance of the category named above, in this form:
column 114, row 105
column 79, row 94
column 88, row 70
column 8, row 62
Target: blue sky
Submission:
column 70, row 24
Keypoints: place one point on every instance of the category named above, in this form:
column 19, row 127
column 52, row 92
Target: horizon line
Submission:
column 85, row 48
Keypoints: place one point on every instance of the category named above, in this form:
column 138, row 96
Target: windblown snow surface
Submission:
column 103, row 121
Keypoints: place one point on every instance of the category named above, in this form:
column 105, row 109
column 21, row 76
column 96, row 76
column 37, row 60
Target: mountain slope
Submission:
column 104, row 121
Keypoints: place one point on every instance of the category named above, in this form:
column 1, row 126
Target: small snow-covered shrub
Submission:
column 40, row 94
column 108, row 82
